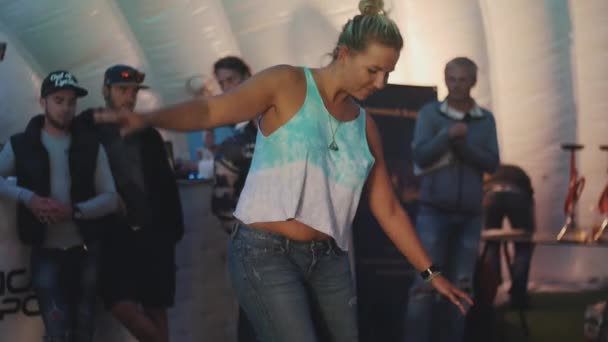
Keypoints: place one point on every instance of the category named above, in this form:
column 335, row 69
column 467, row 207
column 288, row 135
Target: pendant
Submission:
column 333, row 146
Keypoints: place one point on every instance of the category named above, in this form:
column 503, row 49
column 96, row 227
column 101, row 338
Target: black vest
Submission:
column 33, row 173
column 158, row 208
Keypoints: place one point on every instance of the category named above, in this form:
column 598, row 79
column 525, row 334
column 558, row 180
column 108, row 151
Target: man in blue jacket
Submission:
column 454, row 145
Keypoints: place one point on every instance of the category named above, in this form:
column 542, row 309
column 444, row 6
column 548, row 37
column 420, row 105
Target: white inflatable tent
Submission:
column 543, row 72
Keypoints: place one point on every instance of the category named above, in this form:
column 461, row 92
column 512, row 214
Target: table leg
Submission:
column 523, row 320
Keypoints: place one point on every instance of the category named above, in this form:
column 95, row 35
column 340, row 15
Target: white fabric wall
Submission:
column 178, row 39
column 529, row 49
column 436, row 31
column 14, row 259
column 19, row 88
column 290, row 31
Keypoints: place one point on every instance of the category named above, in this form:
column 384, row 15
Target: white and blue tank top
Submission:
column 295, row 175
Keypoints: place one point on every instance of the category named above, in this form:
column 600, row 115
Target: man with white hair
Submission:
column 454, row 145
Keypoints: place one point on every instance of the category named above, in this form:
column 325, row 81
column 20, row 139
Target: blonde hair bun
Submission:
column 371, row 7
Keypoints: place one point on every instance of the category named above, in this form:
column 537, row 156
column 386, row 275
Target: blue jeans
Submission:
column 65, row 282
column 452, row 242
column 290, row 290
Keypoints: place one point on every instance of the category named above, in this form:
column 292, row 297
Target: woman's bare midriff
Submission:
column 292, row 229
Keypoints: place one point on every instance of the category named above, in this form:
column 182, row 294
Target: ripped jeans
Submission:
column 293, row 291
column 65, row 282
column 452, row 242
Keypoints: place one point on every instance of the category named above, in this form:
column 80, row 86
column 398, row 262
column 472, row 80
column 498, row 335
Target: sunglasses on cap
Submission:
column 132, row 76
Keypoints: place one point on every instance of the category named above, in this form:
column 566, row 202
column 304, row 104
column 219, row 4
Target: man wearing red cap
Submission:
column 138, row 258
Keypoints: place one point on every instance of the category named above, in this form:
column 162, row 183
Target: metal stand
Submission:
column 570, row 230
column 602, row 206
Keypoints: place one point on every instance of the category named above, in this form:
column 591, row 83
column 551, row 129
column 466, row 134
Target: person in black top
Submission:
column 231, row 165
column 508, row 193
column 138, row 259
column 233, row 156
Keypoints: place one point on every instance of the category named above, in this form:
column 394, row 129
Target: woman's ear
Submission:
column 342, row 52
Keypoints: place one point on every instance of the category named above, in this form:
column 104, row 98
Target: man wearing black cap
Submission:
column 65, row 192
column 138, row 258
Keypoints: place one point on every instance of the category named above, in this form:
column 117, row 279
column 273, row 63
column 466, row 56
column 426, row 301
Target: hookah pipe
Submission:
column 602, row 205
column 576, row 184
column 575, row 188
column 603, row 202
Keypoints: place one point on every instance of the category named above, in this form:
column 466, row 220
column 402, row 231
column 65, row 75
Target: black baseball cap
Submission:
column 58, row 80
column 124, row 75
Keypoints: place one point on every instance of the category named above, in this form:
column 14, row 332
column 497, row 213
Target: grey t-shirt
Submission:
column 125, row 156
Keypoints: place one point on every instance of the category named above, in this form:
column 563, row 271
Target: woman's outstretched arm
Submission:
column 255, row 96
column 396, row 223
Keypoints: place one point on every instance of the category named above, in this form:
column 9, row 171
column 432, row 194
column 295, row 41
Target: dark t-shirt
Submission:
column 232, row 162
column 510, row 175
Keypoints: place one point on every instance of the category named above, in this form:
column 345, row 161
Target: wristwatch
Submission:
column 430, row 273
column 76, row 213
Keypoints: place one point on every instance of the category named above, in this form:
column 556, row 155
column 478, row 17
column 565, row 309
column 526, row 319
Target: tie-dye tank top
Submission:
column 295, row 175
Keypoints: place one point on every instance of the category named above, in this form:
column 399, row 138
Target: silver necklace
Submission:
column 332, row 145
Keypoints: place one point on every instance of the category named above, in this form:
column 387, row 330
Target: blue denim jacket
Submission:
column 452, row 171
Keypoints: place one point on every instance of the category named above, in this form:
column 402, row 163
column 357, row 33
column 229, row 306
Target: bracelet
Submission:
column 432, row 276
column 430, row 273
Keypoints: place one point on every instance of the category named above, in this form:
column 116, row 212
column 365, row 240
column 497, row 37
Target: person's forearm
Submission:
column 14, row 192
column 429, row 152
column 482, row 159
column 8, row 168
column 187, row 116
column 400, row 230
column 99, row 206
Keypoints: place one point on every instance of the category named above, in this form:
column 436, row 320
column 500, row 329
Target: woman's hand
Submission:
column 455, row 295
column 128, row 121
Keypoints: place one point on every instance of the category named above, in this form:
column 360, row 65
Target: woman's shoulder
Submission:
column 285, row 73
column 288, row 85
